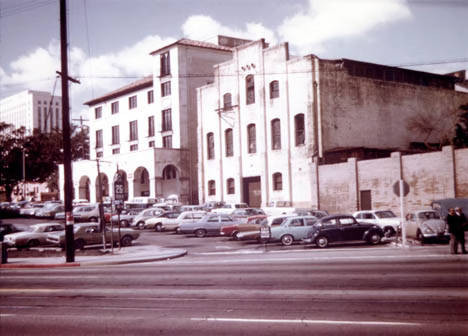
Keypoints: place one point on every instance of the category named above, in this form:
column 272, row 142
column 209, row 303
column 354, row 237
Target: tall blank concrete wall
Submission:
column 430, row 176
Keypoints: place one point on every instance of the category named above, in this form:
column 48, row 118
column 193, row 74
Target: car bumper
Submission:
column 436, row 235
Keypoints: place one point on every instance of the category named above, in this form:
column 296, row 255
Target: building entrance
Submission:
column 252, row 192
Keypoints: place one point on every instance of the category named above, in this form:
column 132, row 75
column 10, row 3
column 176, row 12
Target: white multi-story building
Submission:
column 33, row 110
column 269, row 119
column 147, row 130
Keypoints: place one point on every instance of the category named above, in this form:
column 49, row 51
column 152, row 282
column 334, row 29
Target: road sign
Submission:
column 396, row 188
column 119, row 188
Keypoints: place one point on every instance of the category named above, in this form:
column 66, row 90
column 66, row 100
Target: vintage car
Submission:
column 342, row 229
column 252, row 225
column 210, row 224
column 139, row 220
column 169, row 220
column 426, row 225
column 293, row 228
column 253, row 232
column 88, row 234
column 126, row 217
column 34, row 236
column 385, row 219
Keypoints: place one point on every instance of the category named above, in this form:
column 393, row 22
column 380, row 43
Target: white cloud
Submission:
column 205, row 28
column 323, row 21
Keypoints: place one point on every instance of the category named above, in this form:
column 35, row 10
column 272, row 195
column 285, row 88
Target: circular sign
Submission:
column 396, row 188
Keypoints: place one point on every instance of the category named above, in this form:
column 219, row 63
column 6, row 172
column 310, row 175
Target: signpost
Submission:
column 119, row 196
column 401, row 189
column 265, row 234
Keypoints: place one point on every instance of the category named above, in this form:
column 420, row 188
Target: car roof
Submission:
column 335, row 216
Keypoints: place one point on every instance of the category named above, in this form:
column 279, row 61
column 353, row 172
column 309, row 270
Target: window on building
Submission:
column 229, row 142
column 133, row 130
column 57, row 124
column 39, row 117
column 150, row 95
column 227, row 101
column 167, row 141
column 210, row 145
column 299, row 129
column 275, row 134
column 116, row 151
column 165, row 89
column 169, row 172
column 277, row 181
column 151, row 144
column 151, row 126
column 98, row 112
column 274, row 89
column 115, row 135
column 165, row 64
column 230, row 186
column 249, row 90
column 99, row 139
column 166, row 120
column 251, row 138
column 133, row 147
column 132, row 102
column 115, row 107
column 211, row 187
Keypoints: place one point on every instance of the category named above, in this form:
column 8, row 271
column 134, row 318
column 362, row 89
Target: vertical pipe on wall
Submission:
column 288, row 115
column 265, row 125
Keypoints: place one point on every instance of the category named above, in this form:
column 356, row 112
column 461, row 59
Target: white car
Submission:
column 426, row 225
column 34, row 236
column 172, row 221
column 228, row 208
column 385, row 219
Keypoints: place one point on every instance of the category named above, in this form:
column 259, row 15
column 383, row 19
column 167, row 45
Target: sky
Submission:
column 110, row 40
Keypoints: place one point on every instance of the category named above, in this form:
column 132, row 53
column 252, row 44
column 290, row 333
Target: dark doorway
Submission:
column 252, row 192
column 366, row 200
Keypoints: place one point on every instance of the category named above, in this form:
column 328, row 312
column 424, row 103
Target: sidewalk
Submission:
column 126, row 255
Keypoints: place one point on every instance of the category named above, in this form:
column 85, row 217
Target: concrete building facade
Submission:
column 269, row 120
column 33, row 110
column 147, row 129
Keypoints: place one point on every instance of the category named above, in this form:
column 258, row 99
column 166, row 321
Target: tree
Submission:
column 461, row 128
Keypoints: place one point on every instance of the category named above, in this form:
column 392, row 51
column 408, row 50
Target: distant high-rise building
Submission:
column 33, row 110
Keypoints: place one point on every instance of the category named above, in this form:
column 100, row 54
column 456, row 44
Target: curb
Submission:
column 96, row 263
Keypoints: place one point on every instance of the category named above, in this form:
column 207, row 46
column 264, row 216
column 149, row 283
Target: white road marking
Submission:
column 302, row 321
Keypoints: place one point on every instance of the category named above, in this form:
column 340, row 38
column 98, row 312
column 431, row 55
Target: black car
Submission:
column 342, row 228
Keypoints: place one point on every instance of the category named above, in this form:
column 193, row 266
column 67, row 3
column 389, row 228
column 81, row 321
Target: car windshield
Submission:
column 385, row 214
column 428, row 215
column 34, row 228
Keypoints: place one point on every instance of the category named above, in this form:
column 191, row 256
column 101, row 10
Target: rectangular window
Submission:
column 151, row 126
column 165, row 89
column 165, row 64
column 57, row 124
column 115, row 107
column 151, row 144
column 99, row 139
column 275, row 134
column 150, row 97
column 115, row 135
column 98, row 112
column 167, row 141
column 166, row 120
column 133, row 130
column 299, row 129
column 210, row 145
column 39, row 117
column 212, row 190
column 132, row 102
column 116, row 151
column 133, row 147
column 229, row 142
column 230, row 186
column 252, row 138
column 250, row 90
column 274, row 89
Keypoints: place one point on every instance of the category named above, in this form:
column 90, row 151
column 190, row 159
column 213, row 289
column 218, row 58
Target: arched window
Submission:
column 229, row 142
column 169, row 173
column 274, row 89
column 227, row 101
column 249, row 90
column 299, row 129
column 251, row 138
column 277, row 181
column 144, row 177
column 275, row 134
column 230, row 186
column 210, row 145
column 211, row 187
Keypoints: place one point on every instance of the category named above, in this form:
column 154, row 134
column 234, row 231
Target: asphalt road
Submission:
column 346, row 290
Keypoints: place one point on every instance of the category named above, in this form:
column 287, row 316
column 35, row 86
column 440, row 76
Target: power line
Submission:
column 19, row 8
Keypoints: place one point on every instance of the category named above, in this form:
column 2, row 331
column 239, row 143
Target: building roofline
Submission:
column 193, row 43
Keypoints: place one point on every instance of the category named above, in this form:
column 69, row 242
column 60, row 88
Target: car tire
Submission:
column 158, row 227
column 177, row 230
column 124, row 223
column 321, row 241
column 287, row 240
column 140, row 225
column 235, row 235
column 93, row 219
column 374, row 238
column 79, row 244
column 420, row 237
column 200, row 233
column 389, row 232
column 33, row 243
column 126, row 241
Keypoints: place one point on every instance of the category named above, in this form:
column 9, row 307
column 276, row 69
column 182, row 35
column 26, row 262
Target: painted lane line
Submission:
column 387, row 323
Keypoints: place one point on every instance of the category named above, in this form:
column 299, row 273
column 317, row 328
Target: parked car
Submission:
column 210, row 224
column 294, row 228
column 90, row 213
column 164, row 222
column 49, row 211
column 251, row 224
column 34, row 236
column 342, row 228
column 126, row 217
column 311, row 212
column 192, row 208
column 228, row 208
column 426, row 225
column 254, row 234
column 208, row 206
column 244, row 213
column 7, row 228
column 386, row 219
column 30, row 209
column 88, row 234
column 139, row 220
